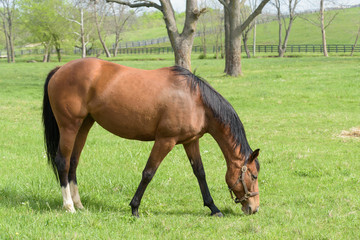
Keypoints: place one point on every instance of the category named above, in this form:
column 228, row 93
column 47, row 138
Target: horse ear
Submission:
column 254, row 155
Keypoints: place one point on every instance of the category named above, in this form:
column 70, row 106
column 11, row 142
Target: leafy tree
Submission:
column 7, row 15
column 43, row 20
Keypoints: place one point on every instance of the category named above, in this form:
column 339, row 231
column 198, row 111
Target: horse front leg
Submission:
column 193, row 152
column 159, row 151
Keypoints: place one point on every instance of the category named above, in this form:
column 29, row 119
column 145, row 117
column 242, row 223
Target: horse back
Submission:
column 131, row 103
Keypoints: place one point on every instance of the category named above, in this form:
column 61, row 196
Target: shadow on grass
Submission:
column 11, row 198
column 199, row 212
column 36, row 202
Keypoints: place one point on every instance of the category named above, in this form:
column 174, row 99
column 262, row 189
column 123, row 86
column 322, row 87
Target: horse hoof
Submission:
column 69, row 208
column 218, row 214
column 135, row 213
column 79, row 206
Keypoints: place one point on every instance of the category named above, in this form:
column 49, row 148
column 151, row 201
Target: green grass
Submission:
column 293, row 109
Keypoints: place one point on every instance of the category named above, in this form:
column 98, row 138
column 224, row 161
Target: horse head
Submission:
column 246, row 188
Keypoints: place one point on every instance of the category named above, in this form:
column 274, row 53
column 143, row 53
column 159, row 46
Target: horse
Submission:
column 169, row 106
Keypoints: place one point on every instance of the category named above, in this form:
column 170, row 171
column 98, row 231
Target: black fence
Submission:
column 307, row 48
column 302, row 48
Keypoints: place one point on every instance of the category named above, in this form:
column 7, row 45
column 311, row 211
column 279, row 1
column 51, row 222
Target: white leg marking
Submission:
column 68, row 203
column 75, row 195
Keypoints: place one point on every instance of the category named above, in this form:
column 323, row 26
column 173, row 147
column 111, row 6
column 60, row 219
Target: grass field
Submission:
column 293, row 109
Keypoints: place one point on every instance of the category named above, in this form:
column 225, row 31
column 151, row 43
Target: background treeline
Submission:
column 80, row 26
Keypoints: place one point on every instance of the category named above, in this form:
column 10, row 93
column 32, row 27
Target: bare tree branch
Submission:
column 332, row 19
column 138, row 3
column 253, row 15
column 226, row 6
column 317, row 24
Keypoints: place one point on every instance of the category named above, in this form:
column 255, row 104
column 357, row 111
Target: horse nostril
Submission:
column 250, row 210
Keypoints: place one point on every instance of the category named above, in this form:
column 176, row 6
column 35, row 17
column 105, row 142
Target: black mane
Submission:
column 221, row 108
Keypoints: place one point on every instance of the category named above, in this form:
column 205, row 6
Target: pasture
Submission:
column 293, row 109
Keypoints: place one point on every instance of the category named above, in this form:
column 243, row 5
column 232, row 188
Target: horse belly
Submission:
column 127, row 121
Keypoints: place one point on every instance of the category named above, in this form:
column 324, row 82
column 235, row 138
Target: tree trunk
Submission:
column 245, row 39
column 11, row 39
column 116, row 47
column 233, row 30
column 46, row 52
column 287, row 34
column 181, row 43
column 58, row 50
column 254, row 39
column 6, row 43
column 280, row 50
column 292, row 15
column 106, row 50
column 217, row 47
column 322, row 17
column 233, row 56
column 82, row 34
column 227, row 35
column 7, row 28
column 204, row 41
column 356, row 40
column 182, row 53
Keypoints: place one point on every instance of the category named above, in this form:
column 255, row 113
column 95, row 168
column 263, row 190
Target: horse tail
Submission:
column 51, row 129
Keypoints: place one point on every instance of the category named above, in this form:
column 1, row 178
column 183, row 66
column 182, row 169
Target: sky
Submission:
column 179, row 5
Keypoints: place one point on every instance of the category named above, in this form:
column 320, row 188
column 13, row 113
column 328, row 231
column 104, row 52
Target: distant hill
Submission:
column 341, row 31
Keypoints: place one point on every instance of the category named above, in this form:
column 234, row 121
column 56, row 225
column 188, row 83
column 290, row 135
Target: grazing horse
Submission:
column 168, row 106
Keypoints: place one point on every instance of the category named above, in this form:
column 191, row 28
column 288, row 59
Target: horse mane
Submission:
column 221, row 108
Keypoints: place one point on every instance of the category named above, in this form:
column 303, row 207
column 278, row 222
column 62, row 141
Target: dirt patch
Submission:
column 353, row 132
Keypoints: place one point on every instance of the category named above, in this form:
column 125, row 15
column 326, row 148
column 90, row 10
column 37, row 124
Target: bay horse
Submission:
column 168, row 106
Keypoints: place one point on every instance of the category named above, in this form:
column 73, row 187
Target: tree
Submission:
column 253, row 4
column 245, row 12
column 215, row 17
column 233, row 30
column 181, row 42
column 322, row 24
column 7, row 14
column 356, row 40
column 120, row 18
column 45, row 23
column 100, row 9
column 203, row 21
column 292, row 4
column 80, row 19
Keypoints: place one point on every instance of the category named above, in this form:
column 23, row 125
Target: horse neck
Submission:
column 226, row 142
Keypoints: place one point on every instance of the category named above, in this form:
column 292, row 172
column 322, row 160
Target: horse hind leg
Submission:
column 62, row 160
column 74, row 160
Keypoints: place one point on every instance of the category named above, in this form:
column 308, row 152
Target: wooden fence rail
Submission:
column 301, row 48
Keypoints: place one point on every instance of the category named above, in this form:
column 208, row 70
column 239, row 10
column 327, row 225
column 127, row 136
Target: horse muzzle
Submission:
column 249, row 209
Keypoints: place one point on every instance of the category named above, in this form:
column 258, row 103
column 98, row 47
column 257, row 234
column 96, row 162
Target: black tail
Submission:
column 51, row 129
